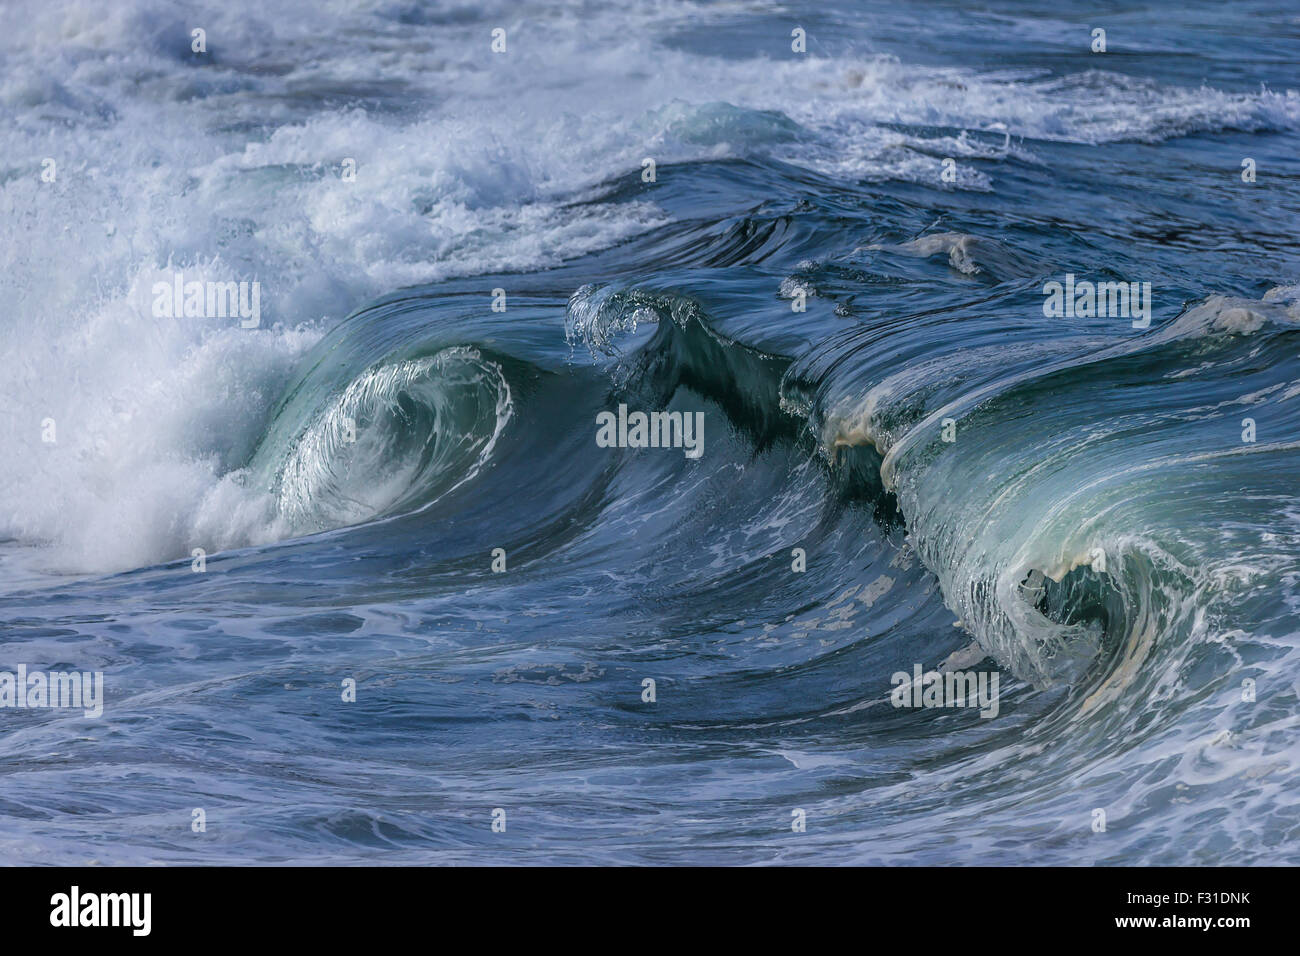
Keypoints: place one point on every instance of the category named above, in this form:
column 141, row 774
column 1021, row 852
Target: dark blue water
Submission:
column 398, row 488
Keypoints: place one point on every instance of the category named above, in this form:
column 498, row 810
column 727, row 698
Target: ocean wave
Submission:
column 838, row 260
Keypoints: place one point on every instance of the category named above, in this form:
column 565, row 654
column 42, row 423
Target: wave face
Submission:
column 839, row 262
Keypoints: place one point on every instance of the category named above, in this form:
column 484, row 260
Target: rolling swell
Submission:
column 1065, row 561
column 1114, row 546
column 1085, row 528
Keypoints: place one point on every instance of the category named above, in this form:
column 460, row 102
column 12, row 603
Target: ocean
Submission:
column 650, row 433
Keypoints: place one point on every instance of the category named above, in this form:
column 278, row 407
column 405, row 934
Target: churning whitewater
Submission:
column 657, row 423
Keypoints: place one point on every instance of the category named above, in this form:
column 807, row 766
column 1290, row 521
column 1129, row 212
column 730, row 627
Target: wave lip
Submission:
column 1064, row 493
column 396, row 438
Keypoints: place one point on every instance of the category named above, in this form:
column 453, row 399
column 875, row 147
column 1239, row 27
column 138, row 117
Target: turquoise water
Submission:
column 1098, row 510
